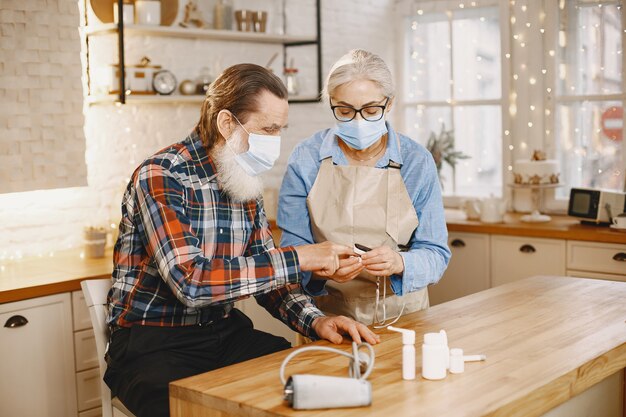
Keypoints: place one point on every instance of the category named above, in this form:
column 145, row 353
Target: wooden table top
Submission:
column 546, row 338
column 560, row 227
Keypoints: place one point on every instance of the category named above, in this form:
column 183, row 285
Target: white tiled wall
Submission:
column 118, row 138
column 42, row 143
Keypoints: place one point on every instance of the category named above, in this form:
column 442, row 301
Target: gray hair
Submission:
column 358, row 64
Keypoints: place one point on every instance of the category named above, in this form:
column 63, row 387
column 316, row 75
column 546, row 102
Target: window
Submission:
column 589, row 98
column 452, row 79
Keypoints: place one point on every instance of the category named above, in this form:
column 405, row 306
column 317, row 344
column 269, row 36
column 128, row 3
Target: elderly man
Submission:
column 194, row 238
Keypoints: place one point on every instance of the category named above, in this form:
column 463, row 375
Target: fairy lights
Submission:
column 546, row 50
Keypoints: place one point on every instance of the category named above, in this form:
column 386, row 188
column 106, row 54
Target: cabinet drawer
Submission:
column 468, row 270
column 587, row 274
column 514, row 258
column 85, row 349
column 88, row 389
column 596, row 257
column 80, row 311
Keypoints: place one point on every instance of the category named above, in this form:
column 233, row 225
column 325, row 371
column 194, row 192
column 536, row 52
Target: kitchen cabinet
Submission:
column 468, row 271
column 514, row 258
column 37, row 358
column 596, row 260
column 518, row 250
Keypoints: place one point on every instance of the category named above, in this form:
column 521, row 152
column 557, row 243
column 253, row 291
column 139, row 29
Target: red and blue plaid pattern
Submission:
column 186, row 251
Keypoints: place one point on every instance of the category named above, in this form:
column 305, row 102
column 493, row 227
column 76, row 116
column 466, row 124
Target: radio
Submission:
column 595, row 206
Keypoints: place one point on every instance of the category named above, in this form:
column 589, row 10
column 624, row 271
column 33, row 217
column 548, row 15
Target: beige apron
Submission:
column 370, row 206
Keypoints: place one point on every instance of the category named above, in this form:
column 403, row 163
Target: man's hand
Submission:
column 332, row 329
column 323, row 258
column 383, row 262
column 348, row 269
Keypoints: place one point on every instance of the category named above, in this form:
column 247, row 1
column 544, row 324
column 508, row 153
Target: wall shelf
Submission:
column 122, row 30
column 194, row 33
column 173, row 99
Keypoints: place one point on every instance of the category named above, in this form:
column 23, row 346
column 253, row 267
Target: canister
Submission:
column 148, row 12
column 128, row 10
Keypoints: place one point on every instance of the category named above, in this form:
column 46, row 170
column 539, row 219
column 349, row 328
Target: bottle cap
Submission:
column 408, row 336
column 435, row 339
column 444, row 335
column 457, row 363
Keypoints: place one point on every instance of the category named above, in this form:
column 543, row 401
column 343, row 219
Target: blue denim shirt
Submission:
column 428, row 255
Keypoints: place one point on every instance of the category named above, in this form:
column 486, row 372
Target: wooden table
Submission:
column 546, row 338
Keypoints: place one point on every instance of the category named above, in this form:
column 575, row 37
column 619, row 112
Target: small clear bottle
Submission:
column 291, row 80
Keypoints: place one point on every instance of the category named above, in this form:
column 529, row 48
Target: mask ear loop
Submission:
column 227, row 140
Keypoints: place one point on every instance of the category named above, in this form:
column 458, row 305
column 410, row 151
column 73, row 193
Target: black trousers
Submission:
column 143, row 360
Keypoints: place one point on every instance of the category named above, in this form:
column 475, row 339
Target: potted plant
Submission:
column 442, row 149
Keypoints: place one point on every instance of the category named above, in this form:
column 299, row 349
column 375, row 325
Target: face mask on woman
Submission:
column 263, row 151
column 361, row 134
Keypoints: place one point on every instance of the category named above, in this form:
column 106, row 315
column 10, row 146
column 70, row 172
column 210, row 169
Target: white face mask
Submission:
column 261, row 155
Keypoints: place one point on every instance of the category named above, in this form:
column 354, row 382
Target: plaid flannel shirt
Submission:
column 186, row 251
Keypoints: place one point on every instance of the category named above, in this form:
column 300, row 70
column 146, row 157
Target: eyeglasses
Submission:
column 369, row 113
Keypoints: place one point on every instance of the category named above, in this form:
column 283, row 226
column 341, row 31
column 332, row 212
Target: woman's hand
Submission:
column 383, row 262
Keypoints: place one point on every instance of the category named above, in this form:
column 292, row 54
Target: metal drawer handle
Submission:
column 457, row 243
column 527, row 249
column 16, row 321
column 620, row 257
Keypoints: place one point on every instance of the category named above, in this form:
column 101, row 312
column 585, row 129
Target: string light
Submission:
column 532, row 113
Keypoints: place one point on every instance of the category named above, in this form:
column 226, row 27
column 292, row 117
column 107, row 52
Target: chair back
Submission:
column 95, row 292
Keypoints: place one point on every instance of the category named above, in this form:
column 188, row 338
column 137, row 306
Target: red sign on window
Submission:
column 613, row 123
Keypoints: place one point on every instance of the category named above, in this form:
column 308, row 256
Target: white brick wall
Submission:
column 118, row 138
column 33, row 58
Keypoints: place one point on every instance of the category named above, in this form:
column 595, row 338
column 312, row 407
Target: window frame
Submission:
column 406, row 9
column 552, row 99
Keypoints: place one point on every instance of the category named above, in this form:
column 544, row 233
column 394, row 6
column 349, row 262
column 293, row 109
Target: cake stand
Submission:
column 536, row 194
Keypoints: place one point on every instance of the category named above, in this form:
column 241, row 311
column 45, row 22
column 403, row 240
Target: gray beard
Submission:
column 233, row 179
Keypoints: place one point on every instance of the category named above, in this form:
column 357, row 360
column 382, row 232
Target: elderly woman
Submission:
column 361, row 183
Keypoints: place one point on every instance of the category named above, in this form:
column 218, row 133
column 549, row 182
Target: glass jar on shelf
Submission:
column 128, row 10
column 291, row 81
column 203, row 81
column 148, row 12
column 223, row 15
